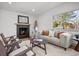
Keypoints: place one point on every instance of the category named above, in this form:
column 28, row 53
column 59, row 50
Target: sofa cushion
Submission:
column 51, row 39
column 55, row 41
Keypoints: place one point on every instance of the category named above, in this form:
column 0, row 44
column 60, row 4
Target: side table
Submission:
column 77, row 46
column 76, row 38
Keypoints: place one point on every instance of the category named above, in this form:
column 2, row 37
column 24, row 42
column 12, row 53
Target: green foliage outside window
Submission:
column 61, row 19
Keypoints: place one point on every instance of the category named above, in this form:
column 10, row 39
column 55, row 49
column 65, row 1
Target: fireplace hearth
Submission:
column 23, row 31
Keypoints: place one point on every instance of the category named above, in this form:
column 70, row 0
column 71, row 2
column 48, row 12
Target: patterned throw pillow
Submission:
column 57, row 34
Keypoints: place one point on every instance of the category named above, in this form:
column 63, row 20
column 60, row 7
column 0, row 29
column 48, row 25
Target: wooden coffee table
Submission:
column 39, row 43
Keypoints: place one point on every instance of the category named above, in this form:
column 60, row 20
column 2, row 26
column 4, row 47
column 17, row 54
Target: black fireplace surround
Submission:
column 22, row 31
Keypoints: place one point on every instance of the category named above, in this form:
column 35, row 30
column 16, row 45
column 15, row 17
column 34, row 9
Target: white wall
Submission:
column 45, row 19
column 8, row 20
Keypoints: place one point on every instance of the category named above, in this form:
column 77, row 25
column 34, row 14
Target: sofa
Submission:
column 64, row 40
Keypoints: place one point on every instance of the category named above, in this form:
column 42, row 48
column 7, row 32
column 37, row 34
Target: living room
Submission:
column 38, row 16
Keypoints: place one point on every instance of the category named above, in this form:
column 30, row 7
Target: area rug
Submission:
column 53, row 50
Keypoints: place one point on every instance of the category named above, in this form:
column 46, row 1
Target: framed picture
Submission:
column 23, row 19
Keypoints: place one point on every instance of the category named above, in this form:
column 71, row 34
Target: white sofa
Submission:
column 64, row 41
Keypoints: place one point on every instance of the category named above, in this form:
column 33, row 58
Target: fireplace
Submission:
column 22, row 31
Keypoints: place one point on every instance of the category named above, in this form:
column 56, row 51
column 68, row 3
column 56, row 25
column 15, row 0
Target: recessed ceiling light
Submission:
column 9, row 2
column 33, row 10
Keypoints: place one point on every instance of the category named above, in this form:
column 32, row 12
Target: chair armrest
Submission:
column 19, row 52
column 12, row 38
column 9, row 38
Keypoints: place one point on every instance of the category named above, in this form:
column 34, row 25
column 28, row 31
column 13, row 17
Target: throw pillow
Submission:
column 57, row 34
column 51, row 33
column 46, row 33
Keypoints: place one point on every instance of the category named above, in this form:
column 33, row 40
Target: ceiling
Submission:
column 26, row 7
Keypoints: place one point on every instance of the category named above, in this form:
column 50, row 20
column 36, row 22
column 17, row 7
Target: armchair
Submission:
column 9, row 47
column 9, row 43
column 19, row 52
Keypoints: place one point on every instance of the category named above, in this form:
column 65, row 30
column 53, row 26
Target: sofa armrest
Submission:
column 65, row 40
